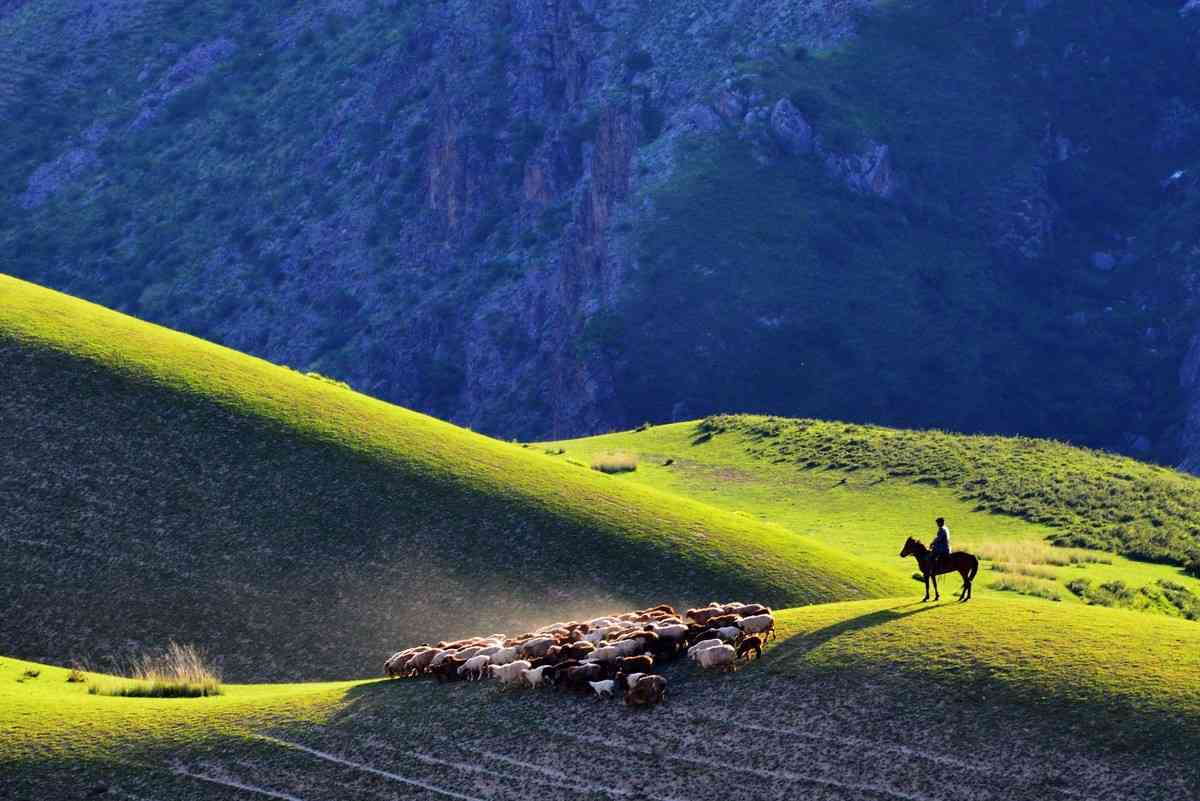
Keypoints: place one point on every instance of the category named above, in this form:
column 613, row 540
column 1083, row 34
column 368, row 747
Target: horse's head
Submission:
column 910, row 547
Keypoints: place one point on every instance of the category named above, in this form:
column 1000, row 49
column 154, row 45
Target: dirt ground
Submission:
column 716, row 739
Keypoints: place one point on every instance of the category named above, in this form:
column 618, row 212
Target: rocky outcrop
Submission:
column 50, row 177
column 189, row 71
column 1022, row 215
column 791, row 130
column 869, row 171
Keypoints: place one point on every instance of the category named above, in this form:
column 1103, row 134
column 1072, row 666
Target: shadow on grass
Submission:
column 795, row 648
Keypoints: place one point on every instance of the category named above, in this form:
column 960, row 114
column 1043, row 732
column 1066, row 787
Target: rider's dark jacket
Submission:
column 941, row 542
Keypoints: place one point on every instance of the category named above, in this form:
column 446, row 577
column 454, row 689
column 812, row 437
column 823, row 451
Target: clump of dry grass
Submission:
column 1027, row 586
column 1025, row 570
column 1038, row 553
column 182, row 671
column 615, row 462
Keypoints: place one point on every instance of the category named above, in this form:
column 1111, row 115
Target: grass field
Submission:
column 154, row 482
column 836, row 675
column 818, row 479
column 160, row 487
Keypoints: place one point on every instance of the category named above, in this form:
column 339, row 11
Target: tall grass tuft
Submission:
column 615, row 462
column 182, row 671
column 1027, row 586
column 1038, row 553
column 1025, row 570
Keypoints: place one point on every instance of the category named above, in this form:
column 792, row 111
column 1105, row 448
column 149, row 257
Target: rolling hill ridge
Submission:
column 160, row 486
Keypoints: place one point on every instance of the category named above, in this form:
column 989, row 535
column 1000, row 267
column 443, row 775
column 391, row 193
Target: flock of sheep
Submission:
column 605, row 655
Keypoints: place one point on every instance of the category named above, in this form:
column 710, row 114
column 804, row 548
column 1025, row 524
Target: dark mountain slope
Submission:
column 554, row 219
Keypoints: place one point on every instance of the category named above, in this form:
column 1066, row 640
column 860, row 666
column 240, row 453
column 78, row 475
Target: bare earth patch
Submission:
column 744, row 737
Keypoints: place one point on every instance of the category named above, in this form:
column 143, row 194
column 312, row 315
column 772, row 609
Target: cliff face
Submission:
column 552, row 218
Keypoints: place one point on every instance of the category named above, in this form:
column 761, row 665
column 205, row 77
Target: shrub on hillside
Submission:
column 1191, row 565
column 615, row 462
column 182, row 671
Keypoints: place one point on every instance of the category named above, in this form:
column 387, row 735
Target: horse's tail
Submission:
column 974, row 569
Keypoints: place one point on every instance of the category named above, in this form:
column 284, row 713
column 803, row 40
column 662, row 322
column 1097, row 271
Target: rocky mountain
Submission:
column 558, row 217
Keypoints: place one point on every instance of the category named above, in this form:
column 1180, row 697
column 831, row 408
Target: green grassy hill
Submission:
column 864, row 489
column 157, row 486
column 858, row 699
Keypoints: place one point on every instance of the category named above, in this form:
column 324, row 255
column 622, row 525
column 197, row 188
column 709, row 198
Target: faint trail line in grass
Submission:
column 572, row 785
column 250, row 788
column 550, row 772
column 129, row 796
column 779, row 775
column 396, row 777
column 854, row 741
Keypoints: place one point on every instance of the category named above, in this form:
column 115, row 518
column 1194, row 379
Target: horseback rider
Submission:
column 940, row 547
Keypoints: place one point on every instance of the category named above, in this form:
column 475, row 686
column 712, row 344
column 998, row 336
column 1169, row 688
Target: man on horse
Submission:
column 940, row 547
column 938, row 559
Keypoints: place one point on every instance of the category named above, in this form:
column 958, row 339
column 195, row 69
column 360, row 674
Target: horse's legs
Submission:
column 937, row 596
column 926, row 598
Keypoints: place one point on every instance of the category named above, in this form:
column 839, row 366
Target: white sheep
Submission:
column 473, row 668
column 609, row 653
column 702, row 646
column 536, row 676
column 505, row 655
column 758, row 624
column 488, row 650
column 729, row 633
column 604, row 689
column 675, row 633
column 630, row 647
column 532, row 649
column 721, row 656
column 510, row 673
column 467, row 653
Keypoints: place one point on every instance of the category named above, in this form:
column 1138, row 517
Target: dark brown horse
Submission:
column 966, row 565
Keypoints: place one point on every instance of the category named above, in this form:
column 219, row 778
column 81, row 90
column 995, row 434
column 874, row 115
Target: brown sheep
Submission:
column 750, row 610
column 420, row 661
column 752, row 643
column 670, row 610
column 577, row 678
column 636, row 664
column 721, row 621
column 560, row 671
column 648, row 691
column 578, row 650
column 448, row 669
column 704, row 614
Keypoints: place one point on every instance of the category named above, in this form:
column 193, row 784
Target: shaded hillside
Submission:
column 157, row 486
column 924, row 216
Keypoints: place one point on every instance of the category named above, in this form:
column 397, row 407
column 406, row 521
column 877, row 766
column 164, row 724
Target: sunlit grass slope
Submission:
column 864, row 489
column 1113, row 673
column 1005, row 668
column 159, row 487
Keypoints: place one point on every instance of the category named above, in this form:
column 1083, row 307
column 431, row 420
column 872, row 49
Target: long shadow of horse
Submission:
column 799, row 645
